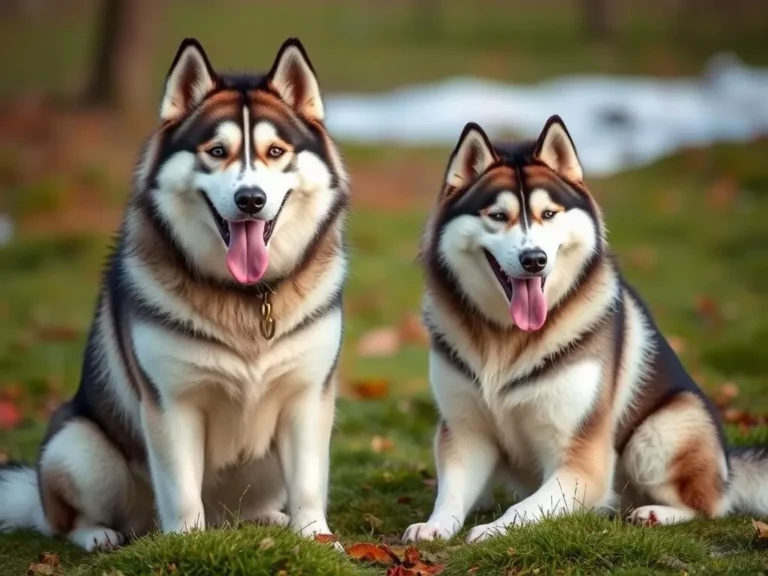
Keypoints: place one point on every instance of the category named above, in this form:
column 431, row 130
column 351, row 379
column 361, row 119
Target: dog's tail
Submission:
column 748, row 489
column 20, row 503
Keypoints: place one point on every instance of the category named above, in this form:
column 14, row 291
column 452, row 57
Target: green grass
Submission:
column 674, row 246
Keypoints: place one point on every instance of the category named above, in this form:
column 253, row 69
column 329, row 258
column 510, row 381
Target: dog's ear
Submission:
column 471, row 157
column 189, row 80
column 556, row 149
column 293, row 78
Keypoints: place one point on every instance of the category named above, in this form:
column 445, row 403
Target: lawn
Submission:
column 689, row 231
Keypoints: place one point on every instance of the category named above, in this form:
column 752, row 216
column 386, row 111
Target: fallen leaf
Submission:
column 371, row 388
column 10, row 415
column 380, row 554
column 383, row 341
column 58, row 333
column 380, row 444
column 708, row 309
column 642, row 258
column 761, row 529
column 400, row 571
column 40, row 569
column 734, row 416
column 404, row 499
column 676, row 343
column 729, row 390
column 411, row 556
column 12, row 392
column 49, row 558
column 722, row 193
column 266, row 543
column 413, row 331
column 326, row 538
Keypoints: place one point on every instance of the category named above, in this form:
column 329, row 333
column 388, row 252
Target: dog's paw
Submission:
column 483, row 532
column 659, row 515
column 271, row 518
column 428, row 531
column 96, row 539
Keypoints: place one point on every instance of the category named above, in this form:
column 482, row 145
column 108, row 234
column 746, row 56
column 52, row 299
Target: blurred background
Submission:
column 666, row 100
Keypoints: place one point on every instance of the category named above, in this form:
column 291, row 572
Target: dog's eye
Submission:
column 498, row 216
column 275, row 152
column 548, row 214
column 217, row 152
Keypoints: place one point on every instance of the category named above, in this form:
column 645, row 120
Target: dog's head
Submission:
column 242, row 172
column 515, row 227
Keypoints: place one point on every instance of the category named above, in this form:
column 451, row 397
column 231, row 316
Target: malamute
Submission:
column 209, row 378
column 546, row 366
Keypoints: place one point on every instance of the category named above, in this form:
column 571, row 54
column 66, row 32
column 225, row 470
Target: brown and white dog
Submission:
column 547, row 368
column 209, row 379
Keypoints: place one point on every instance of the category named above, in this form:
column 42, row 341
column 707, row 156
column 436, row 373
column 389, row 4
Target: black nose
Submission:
column 533, row 261
column 250, row 200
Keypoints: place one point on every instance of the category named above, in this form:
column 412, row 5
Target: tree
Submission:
column 121, row 72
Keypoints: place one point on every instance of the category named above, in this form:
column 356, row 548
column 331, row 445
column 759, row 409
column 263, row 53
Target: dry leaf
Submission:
column 722, row 193
column 642, row 258
column 58, row 333
column 412, row 330
column 49, row 558
column 10, row 415
column 400, row 571
column 383, row 341
column 404, row 500
column 371, row 388
column 380, row 554
column 266, row 543
column 761, row 529
column 326, row 538
column 676, row 343
column 411, row 556
column 380, row 444
column 708, row 310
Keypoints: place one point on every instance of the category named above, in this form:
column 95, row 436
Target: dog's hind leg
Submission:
column 86, row 487
column 676, row 464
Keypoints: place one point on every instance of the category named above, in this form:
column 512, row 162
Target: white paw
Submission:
column 430, row 531
column 483, row 532
column 310, row 527
column 271, row 518
column 659, row 515
column 98, row 538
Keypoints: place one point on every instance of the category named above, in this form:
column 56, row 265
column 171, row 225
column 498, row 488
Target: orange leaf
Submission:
column 326, row 538
column 400, row 571
column 371, row 388
column 10, row 415
column 380, row 554
column 761, row 529
column 412, row 330
column 41, row 570
column 383, row 341
column 49, row 558
column 58, row 333
column 411, row 556
column 380, row 444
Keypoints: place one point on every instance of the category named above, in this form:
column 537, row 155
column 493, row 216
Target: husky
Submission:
column 209, row 376
column 548, row 370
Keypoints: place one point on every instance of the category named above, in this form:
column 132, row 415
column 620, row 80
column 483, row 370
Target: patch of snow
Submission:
column 616, row 122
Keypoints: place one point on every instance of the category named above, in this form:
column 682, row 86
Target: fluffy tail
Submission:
column 20, row 504
column 748, row 490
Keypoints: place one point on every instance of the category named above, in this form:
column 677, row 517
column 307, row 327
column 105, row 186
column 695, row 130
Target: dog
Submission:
column 548, row 370
column 209, row 376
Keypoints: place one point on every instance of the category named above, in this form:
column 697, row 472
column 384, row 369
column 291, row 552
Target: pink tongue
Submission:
column 528, row 307
column 247, row 256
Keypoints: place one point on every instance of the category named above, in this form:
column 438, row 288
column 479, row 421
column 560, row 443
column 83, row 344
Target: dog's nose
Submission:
column 533, row 261
column 250, row 200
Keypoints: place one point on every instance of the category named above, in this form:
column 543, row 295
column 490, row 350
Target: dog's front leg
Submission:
column 303, row 442
column 175, row 437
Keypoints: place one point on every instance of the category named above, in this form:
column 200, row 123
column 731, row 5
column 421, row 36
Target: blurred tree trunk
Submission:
column 121, row 72
column 599, row 19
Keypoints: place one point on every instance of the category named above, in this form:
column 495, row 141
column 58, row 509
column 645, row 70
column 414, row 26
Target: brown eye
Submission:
column 498, row 216
column 217, row 152
column 275, row 152
column 548, row 215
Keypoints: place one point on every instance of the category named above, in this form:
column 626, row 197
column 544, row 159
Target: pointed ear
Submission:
column 556, row 149
column 471, row 157
column 189, row 80
column 293, row 78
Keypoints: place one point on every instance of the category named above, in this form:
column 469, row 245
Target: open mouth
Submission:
column 223, row 225
column 507, row 283
column 527, row 303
